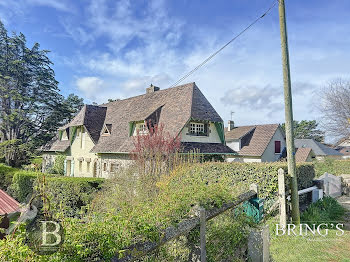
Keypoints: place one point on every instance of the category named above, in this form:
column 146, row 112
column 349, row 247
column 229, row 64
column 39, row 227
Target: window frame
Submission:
column 278, row 144
column 198, row 129
column 144, row 129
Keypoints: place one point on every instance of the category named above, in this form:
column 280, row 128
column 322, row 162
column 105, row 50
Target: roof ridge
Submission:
column 191, row 84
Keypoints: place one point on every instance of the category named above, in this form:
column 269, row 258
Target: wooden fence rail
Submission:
column 136, row 251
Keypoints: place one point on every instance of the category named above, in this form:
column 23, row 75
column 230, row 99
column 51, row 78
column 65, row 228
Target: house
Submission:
column 304, row 154
column 100, row 138
column 255, row 143
column 343, row 147
column 320, row 150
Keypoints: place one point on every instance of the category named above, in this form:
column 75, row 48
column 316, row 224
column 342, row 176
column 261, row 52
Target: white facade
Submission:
column 212, row 137
column 269, row 154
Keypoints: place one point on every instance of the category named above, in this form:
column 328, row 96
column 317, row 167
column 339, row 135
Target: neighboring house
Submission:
column 343, row 147
column 320, row 150
column 304, row 154
column 99, row 139
column 256, row 143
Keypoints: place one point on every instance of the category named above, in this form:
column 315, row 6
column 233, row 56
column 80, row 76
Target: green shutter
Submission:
column 60, row 134
column 220, row 128
column 73, row 132
column 131, row 128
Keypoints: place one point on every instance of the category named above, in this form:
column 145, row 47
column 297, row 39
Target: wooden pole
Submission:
column 282, row 198
column 289, row 114
column 202, row 217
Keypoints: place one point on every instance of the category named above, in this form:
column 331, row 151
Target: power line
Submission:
column 229, row 42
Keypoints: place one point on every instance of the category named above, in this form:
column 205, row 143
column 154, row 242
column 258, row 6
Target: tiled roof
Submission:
column 56, row 145
column 173, row 107
column 238, row 132
column 318, row 148
column 206, row 148
column 302, row 154
column 345, row 150
column 256, row 138
column 92, row 117
column 7, row 204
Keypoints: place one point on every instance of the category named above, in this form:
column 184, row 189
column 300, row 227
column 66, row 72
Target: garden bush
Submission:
column 332, row 166
column 325, row 210
column 6, row 174
column 263, row 174
column 21, row 187
column 68, row 195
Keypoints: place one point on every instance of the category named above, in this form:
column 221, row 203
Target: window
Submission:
column 197, row 129
column 142, row 129
column 80, row 165
column 64, row 135
column 105, row 167
column 277, row 147
column 88, row 167
column 107, row 130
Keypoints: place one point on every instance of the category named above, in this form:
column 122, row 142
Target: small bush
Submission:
column 68, row 195
column 22, row 185
column 58, row 166
column 6, row 174
column 326, row 210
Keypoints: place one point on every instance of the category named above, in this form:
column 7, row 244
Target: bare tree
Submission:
column 335, row 108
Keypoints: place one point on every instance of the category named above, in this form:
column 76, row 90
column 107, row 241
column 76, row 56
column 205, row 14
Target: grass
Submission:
column 314, row 248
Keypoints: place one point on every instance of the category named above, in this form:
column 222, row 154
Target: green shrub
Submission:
column 332, row 166
column 263, row 174
column 58, row 166
column 68, row 195
column 6, row 174
column 326, row 210
column 22, row 185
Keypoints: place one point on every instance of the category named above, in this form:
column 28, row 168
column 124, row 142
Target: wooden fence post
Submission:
column 282, row 198
column 255, row 188
column 202, row 217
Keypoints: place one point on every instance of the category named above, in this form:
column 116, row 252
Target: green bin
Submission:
column 254, row 208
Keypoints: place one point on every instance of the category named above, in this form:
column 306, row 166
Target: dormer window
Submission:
column 198, row 129
column 142, row 129
column 107, row 130
column 64, row 135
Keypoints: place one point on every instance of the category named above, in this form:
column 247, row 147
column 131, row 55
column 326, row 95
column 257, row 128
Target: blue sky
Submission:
column 115, row 49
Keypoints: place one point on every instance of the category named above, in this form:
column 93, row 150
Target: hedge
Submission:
column 67, row 194
column 6, row 174
column 332, row 166
column 128, row 221
column 263, row 174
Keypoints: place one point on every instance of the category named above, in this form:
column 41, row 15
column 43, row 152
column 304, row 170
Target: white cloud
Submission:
column 156, row 47
column 60, row 5
column 90, row 86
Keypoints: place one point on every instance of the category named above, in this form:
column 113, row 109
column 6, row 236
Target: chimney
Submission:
column 231, row 125
column 152, row 89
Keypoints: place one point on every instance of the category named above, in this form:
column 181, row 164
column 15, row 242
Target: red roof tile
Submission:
column 7, row 204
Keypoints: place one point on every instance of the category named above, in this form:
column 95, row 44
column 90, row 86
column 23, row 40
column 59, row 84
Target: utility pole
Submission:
column 289, row 114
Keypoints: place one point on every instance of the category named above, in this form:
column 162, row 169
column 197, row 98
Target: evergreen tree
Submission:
column 31, row 108
column 307, row 129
